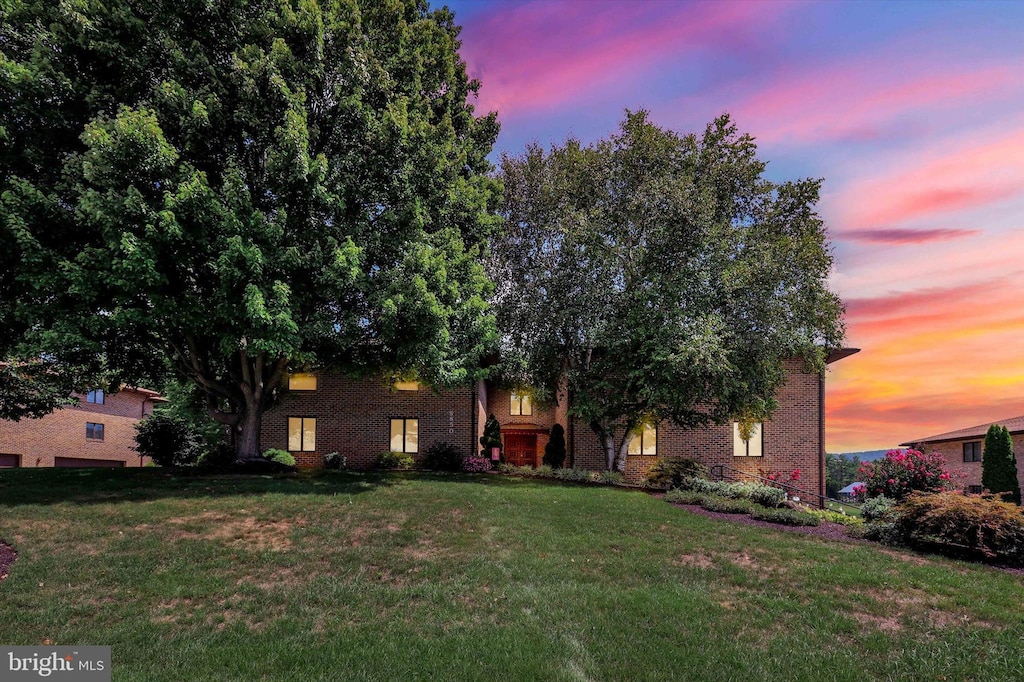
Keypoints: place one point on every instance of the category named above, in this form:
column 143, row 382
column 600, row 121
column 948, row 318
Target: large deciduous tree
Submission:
column 662, row 276
column 241, row 187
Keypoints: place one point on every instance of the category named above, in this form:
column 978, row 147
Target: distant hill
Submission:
column 865, row 456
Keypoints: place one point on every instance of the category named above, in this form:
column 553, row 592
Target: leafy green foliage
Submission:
column 669, row 472
column 661, row 276
column 788, row 517
column 443, row 457
column 336, row 461
column 837, row 517
column 680, row 496
column 554, row 450
column 727, row 505
column 395, row 460
column 491, row 438
column 573, row 474
column 229, row 189
column 840, row 471
column 876, row 508
column 954, row 522
column 759, row 493
column 279, row 457
column 999, row 464
column 167, row 440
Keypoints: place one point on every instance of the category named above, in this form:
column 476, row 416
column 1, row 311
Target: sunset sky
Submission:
column 913, row 113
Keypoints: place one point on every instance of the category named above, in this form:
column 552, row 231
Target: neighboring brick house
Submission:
column 97, row 432
column 964, row 448
column 361, row 418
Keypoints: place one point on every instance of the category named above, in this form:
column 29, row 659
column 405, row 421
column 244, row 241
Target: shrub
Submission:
column 168, row 441
column 759, row 493
column 788, row 517
column 876, row 508
column 554, row 451
column 476, row 464
column 544, row 471
column 443, row 457
column 980, row 525
column 572, row 474
column 902, row 472
column 998, row 464
column 491, row 438
column 837, row 517
column 279, row 456
column 395, row 460
column 684, row 496
column 669, row 472
column 727, row 505
column 219, row 457
column 768, row 496
column 333, row 460
column 610, row 477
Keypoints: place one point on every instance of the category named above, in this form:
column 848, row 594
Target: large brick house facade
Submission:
column 361, row 418
column 97, row 432
column 964, row 449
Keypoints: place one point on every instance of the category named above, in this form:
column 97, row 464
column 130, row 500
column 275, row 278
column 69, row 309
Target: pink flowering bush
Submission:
column 476, row 464
column 902, row 472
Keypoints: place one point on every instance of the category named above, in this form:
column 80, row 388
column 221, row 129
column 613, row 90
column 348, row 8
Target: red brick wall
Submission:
column 354, row 418
column 791, row 439
column 62, row 433
column 969, row 473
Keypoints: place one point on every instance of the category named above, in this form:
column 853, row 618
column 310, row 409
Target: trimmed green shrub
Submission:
column 837, row 517
column 333, row 460
column 167, row 440
column 979, row 525
column 788, row 517
column 727, row 505
column 999, row 465
column 491, row 438
column 279, row 456
column 572, row 474
column 610, row 477
column 684, row 496
column 554, row 451
column 395, row 460
column 876, row 508
column 443, row 457
column 759, row 493
column 768, row 496
column 669, row 472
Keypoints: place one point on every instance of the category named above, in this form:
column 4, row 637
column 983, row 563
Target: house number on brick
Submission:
column 451, row 421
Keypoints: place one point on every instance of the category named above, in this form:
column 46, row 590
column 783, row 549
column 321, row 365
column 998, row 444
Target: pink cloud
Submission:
column 538, row 55
column 898, row 236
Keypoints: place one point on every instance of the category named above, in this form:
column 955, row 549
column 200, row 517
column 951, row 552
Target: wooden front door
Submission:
column 521, row 449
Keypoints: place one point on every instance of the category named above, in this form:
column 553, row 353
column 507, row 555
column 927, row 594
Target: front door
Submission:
column 521, row 449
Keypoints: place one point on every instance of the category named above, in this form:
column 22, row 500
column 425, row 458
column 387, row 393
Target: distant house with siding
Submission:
column 964, row 449
column 97, row 432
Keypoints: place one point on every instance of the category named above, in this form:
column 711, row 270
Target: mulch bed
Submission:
column 827, row 529
column 7, row 557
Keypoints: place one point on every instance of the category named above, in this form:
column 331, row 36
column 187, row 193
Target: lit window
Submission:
column 972, row 451
column 405, row 435
column 753, row 447
column 521, row 404
column 407, row 385
column 95, row 396
column 301, row 434
column 644, row 441
column 302, row 381
column 93, row 431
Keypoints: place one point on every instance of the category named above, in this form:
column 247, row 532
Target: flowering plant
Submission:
column 476, row 464
column 902, row 472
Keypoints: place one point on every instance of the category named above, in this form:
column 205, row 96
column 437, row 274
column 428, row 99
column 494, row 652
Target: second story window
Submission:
column 407, row 385
column 93, row 431
column 95, row 396
column 302, row 381
column 972, row 451
column 521, row 404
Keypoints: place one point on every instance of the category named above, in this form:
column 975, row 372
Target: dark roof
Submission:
column 839, row 353
column 1014, row 424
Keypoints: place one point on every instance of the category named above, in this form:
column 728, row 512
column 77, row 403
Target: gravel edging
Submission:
column 7, row 557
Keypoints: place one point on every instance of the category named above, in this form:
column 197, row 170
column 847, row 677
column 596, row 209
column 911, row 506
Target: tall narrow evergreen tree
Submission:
column 998, row 463
column 554, row 451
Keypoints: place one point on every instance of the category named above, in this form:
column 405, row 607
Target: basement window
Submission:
column 753, row 447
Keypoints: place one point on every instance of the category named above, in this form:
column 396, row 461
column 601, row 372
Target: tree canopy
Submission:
column 234, row 188
column 662, row 275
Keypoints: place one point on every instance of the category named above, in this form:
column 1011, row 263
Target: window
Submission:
column 405, row 435
column 95, row 396
column 644, row 441
column 93, row 431
column 754, row 447
column 972, row 451
column 407, row 385
column 302, row 381
column 301, row 434
column 521, row 404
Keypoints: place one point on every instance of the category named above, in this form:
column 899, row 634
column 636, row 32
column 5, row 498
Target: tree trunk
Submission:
column 607, row 441
column 620, row 463
column 249, row 424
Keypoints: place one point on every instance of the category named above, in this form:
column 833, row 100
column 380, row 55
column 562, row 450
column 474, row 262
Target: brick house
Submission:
column 963, row 449
column 361, row 418
column 97, row 432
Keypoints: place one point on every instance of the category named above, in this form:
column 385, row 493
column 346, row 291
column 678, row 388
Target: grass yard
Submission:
column 336, row 576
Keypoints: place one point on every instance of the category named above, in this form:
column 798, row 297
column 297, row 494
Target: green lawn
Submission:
column 394, row 577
